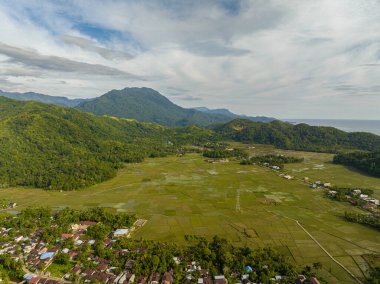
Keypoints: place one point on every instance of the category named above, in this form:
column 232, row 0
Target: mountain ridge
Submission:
column 37, row 97
column 143, row 104
column 148, row 105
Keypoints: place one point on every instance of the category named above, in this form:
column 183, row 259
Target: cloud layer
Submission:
column 294, row 59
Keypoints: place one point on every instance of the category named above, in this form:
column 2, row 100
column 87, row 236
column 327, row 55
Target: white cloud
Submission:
column 276, row 58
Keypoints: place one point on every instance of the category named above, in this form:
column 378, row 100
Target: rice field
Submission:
column 249, row 205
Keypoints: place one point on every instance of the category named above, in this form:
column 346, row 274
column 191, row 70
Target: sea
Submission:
column 347, row 125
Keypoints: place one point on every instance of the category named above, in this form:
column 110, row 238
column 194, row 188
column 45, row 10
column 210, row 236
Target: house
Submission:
column 83, row 225
column 327, row 184
column 47, row 255
column 220, row 279
column 141, row 280
column 167, row 278
column 288, row 177
column 154, row 278
column 332, row 192
column 66, row 236
column 12, row 205
column 130, row 278
column 275, row 168
column 176, row 260
column 121, row 233
column 314, row 280
column 356, row 192
column 369, row 207
column 363, row 196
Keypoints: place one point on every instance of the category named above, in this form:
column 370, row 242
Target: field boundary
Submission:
column 319, row 244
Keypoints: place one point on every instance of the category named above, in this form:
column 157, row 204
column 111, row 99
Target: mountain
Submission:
column 298, row 137
column 30, row 96
column 148, row 105
column 227, row 112
column 53, row 147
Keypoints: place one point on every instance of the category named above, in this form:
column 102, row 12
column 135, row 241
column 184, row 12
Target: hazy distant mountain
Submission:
column 227, row 112
column 148, row 105
column 30, row 96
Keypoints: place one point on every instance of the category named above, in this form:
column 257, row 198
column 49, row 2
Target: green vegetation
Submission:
column 365, row 219
column 60, row 148
column 366, row 162
column 272, row 160
column 10, row 268
column 147, row 105
column 297, row 137
column 31, row 218
column 184, row 195
column 218, row 256
column 223, row 150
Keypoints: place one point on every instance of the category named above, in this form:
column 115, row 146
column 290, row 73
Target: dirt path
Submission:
column 318, row 243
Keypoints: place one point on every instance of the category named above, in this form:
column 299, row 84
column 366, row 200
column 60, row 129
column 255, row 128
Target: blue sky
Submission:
column 287, row 59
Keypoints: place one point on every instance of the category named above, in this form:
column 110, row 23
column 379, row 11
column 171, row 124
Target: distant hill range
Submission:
column 297, row 137
column 148, row 105
column 142, row 104
column 30, row 96
column 227, row 112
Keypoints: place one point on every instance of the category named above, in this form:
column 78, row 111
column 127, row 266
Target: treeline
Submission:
column 60, row 148
column 222, row 150
column 272, row 160
column 297, row 137
column 32, row 218
column 365, row 219
column 366, row 162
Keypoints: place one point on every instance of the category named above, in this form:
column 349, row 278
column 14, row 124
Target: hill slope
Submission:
column 297, row 137
column 54, row 147
column 145, row 104
column 148, row 105
column 30, row 96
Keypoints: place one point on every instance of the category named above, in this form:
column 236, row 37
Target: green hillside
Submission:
column 366, row 162
column 297, row 137
column 54, row 147
column 148, row 105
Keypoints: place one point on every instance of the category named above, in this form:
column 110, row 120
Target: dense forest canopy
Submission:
column 366, row 162
column 61, row 148
column 297, row 137
column 54, row 147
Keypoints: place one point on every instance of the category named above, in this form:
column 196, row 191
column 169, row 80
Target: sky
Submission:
column 285, row 59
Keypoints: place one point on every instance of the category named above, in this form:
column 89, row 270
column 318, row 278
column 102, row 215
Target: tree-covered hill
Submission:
column 54, row 147
column 366, row 162
column 297, row 137
column 148, row 105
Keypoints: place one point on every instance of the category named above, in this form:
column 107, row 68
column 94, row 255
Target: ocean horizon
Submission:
column 348, row 125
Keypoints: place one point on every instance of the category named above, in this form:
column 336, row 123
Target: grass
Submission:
column 186, row 195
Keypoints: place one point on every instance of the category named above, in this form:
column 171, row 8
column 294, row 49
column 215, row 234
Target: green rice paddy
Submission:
column 186, row 195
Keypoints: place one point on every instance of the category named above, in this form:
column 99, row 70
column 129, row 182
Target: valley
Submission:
column 247, row 204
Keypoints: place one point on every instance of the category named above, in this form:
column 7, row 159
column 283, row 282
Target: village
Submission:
column 77, row 248
column 355, row 196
